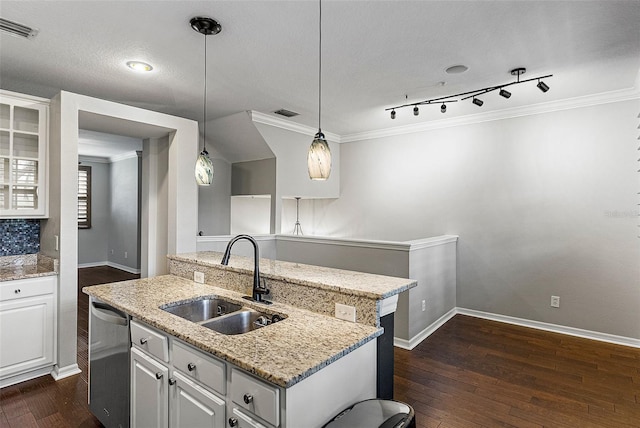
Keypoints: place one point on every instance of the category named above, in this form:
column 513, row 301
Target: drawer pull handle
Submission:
column 143, row 340
column 172, row 381
column 17, row 291
column 248, row 398
column 159, row 375
column 191, row 367
column 233, row 422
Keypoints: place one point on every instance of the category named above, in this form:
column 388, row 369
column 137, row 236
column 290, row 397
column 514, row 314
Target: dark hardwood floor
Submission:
column 479, row 373
column 470, row 373
column 43, row 402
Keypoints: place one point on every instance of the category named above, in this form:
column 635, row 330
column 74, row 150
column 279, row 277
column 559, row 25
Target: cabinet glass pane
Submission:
column 4, row 170
column 25, row 171
column 4, row 197
column 25, row 145
column 25, row 119
column 25, row 198
column 4, row 116
column 4, row 143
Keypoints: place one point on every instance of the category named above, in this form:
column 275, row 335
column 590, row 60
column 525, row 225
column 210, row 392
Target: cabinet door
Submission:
column 27, row 332
column 191, row 406
column 23, row 157
column 149, row 394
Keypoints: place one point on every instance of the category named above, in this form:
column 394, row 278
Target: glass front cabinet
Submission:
column 23, row 156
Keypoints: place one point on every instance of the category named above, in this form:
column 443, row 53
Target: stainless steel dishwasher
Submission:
column 109, row 348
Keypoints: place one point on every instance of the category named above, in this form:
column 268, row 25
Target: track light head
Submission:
column 416, row 111
column 505, row 93
column 477, row 102
column 443, row 108
column 542, row 86
column 393, row 114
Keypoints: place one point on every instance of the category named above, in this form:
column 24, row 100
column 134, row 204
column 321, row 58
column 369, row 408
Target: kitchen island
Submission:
column 312, row 365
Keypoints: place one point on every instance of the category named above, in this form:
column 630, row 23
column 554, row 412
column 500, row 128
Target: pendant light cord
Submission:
column 320, row 66
column 204, row 119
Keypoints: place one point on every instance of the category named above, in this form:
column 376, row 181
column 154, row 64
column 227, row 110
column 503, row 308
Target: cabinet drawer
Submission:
column 199, row 366
column 29, row 287
column 245, row 420
column 258, row 397
column 149, row 340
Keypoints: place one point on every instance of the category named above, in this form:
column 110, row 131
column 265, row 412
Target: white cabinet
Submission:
column 149, row 391
column 27, row 328
column 23, row 156
column 193, row 406
column 164, row 392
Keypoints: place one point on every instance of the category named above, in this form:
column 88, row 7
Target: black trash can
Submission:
column 375, row 413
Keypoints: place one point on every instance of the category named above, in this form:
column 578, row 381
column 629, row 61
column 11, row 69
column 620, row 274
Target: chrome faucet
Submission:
column 258, row 289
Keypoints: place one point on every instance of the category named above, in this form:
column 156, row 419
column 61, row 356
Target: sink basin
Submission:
column 242, row 322
column 201, row 310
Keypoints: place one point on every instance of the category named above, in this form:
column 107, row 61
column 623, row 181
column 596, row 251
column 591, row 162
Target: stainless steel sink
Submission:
column 201, row 310
column 242, row 322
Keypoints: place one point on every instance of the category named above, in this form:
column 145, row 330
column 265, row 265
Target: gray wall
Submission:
column 115, row 220
column 93, row 243
column 214, row 205
column 124, row 229
column 543, row 204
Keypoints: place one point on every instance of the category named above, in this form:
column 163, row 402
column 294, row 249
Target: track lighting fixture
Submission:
column 542, row 86
column 473, row 94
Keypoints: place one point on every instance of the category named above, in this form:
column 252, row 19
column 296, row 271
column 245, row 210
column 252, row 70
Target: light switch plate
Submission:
column 346, row 312
column 198, row 277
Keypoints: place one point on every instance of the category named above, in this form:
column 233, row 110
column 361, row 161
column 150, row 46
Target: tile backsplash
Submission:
column 19, row 237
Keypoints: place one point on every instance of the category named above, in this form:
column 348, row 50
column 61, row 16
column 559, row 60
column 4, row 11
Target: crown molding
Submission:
column 93, row 159
column 547, row 107
column 123, row 156
column 266, row 119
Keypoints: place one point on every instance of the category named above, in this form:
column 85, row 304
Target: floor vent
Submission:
column 286, row 113
column 16, row 29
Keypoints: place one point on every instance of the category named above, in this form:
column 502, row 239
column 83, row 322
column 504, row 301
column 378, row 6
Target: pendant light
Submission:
column 204, row 167
column 319, row 157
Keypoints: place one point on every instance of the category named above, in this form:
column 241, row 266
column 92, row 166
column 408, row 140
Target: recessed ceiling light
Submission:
column 457, row 69
column 139, row 66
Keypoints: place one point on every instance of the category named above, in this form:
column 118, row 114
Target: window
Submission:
column 84, row 197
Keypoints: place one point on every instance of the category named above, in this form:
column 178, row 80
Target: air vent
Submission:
column 286, row 113
column 16, row 29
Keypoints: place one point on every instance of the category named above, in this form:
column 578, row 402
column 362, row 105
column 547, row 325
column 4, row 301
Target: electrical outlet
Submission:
column 424, row 305
column 346, row 312
column 111, row 251
column 126, row 254
column 198, row 277
column 555, row 301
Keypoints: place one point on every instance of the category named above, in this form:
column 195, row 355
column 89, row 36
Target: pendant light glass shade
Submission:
column 319, row 158
column 204, row 169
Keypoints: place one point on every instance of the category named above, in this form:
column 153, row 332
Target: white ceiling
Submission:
column 374, row 53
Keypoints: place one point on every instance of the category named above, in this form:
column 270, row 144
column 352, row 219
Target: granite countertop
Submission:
column 26, row 266
column 368, row 285
column 283, row 353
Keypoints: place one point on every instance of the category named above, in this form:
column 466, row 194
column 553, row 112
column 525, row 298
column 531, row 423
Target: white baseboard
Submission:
column 110, row 264
column 418, row 338
column 12, row 380
column 61, row 372
column 555, row 328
